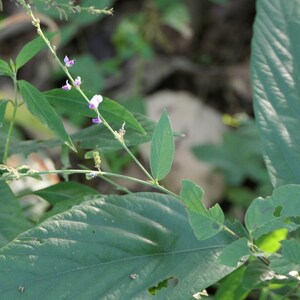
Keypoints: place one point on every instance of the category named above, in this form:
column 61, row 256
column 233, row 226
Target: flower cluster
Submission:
column 94, row 102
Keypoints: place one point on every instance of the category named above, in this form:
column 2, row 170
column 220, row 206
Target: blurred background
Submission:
column 190, row 57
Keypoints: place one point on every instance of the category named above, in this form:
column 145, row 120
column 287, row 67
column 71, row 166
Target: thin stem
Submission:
column 115, row 134
column 12, row 122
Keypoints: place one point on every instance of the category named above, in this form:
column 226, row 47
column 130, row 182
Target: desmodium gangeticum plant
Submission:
column 151, row 245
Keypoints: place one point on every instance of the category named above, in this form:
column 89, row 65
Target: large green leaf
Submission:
column 112, row 248
column 72, row 101
column 162, row 148
column 41, row 109
column 266, row 215
column 31, row 49
column 275, row 67
column 12, row 221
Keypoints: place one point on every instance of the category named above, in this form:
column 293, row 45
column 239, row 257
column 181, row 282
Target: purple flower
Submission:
column 77, row 81
column 68, row 62
column 67, row 86
column 95, row 101
column 96, row 120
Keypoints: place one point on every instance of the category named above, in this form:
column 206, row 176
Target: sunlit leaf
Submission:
column 275, row 65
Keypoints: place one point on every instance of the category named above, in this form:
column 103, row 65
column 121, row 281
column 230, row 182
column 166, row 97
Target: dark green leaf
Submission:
column 4, row 68
column 291, row 250
column 275, row 65
column 111, row 110
column 266, row 215
column 282, row 265
column 235, row 253
column 12, row 221
column 112, row 248
column 64, row 195
column 231, row 287
column 93, row 137
column 205, row 222
column 162, row 148
column 31, row 49
column 41, row 109
column 256, row 275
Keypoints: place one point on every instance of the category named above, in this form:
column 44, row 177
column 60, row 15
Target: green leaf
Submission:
column 266, row 215
column 235, row 253
column 282, row 265
column 93, row 137
column 64, row 195
column 162, row 148
column 231, row 287
column 31, row 49
column 205, row 222
column 12, row 221
column 275, row 65
column 111, row 110
column 41, row 109
column 112, row 248
column 4, row 68
column 3, row 104
column 257, row 275
column 291, row 250
column 192, row 195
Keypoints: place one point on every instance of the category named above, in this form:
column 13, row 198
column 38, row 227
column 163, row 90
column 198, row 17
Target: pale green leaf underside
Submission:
column 275, row 68
column 95, row 250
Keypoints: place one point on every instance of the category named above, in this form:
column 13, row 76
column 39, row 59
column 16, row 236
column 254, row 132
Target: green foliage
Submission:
column 266, row 215
column 162, row 148
column 118, row 247
column 235, row 253
column 3, row 104
column 30, row 50
column 72, row 101
column 239, row 166
column 63, row 196
column 40, row 108
column 205, row 222
column 148, row 245
column 12, row 221
column 274, row 68
column 4, row 68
